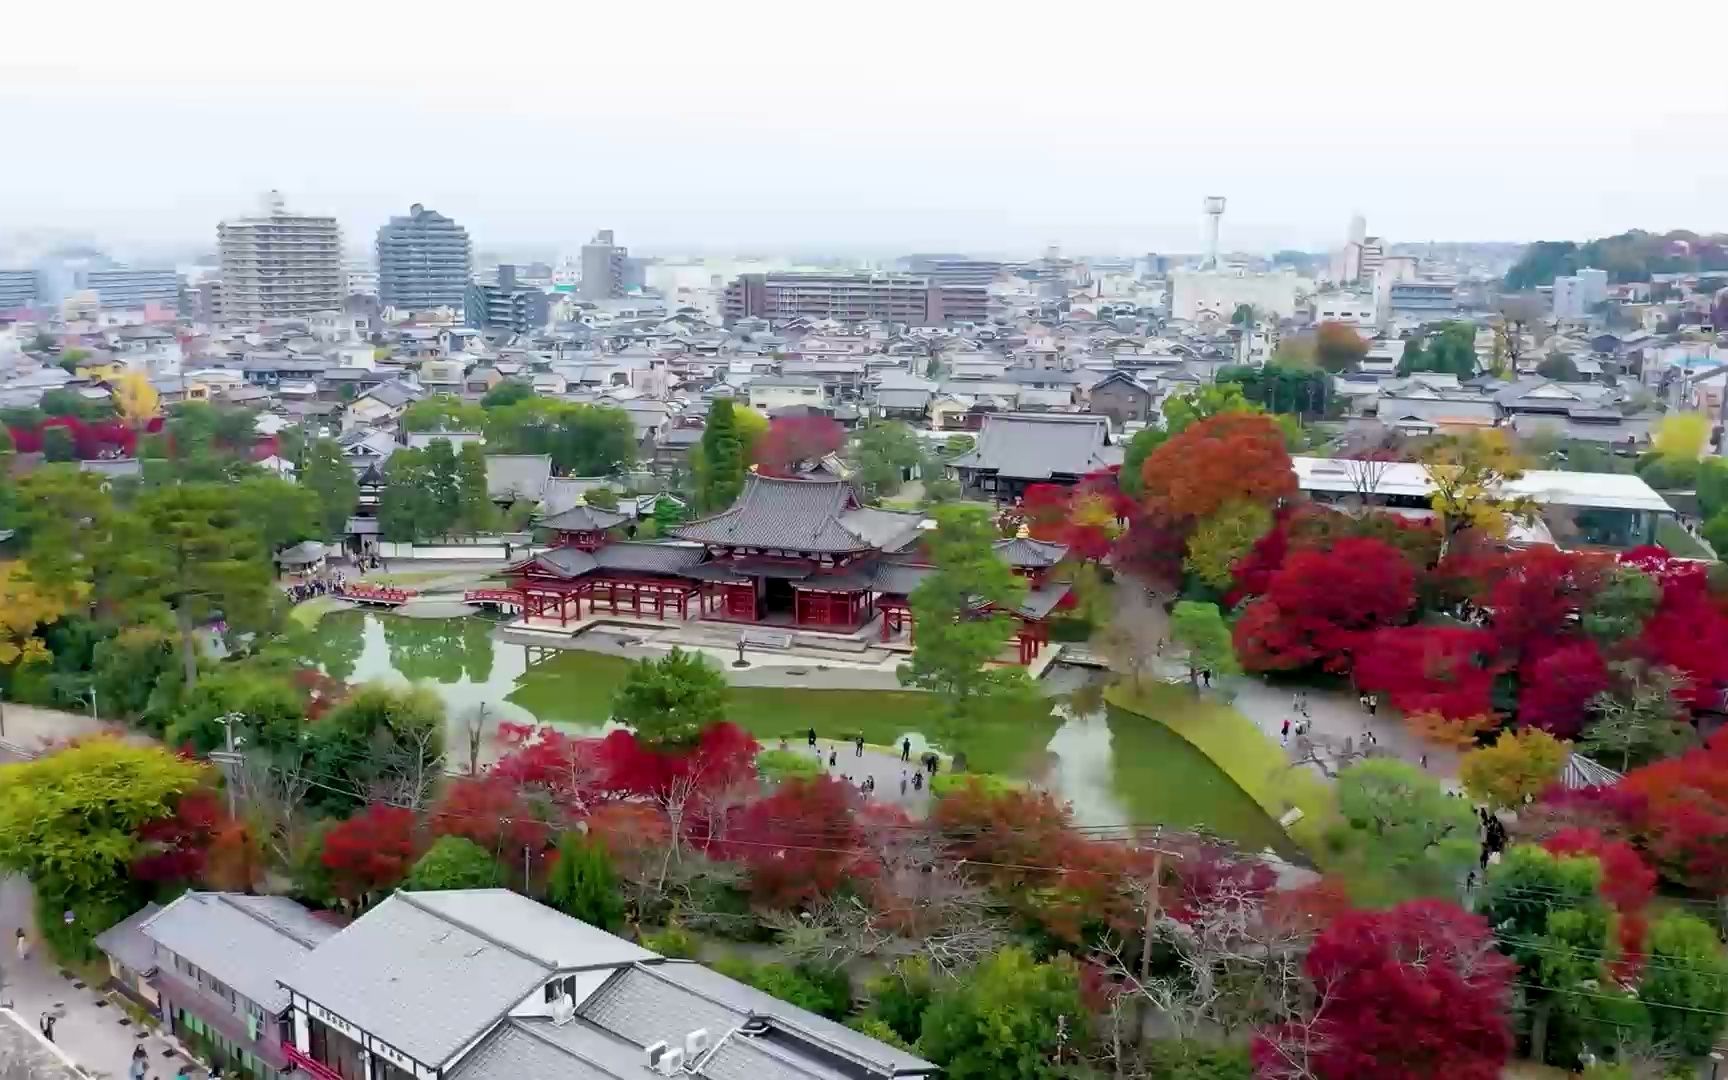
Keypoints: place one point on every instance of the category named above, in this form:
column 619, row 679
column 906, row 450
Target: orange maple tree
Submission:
column 1224, row 458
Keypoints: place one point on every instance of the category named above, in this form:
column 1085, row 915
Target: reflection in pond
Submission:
column 1113, row 767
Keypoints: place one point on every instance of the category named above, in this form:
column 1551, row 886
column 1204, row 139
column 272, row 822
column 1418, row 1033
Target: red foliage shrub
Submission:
column 174, row 848
column 800, row 843
column 1447, row 670
column 1320, row 606
column 791, row 440
column 492, row 812
column 1408, row 994
column 371, row 851
column 1556, row 684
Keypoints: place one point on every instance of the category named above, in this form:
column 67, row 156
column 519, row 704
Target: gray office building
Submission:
column 123, row 289
column 507, row 304
column 18, row 289
column 605, row 266
column 423, row 261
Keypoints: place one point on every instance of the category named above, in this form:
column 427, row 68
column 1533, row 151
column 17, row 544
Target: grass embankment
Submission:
column 577, row 687
column 307, row 612
column 1241, row 751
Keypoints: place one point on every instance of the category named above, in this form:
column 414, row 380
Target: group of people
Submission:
column 910, row 780
column 324, row 585
column 140, row 1067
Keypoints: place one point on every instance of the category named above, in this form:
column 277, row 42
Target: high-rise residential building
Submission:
column 506, row 304
column 18, row 289
column 604, row 268
column 855, row 297
column 122, row 288
column 279, row 265
column 423, row 261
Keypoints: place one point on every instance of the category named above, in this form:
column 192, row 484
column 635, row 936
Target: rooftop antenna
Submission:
column 1214, row 206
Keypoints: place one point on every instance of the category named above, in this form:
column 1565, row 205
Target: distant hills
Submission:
column 1628, row 256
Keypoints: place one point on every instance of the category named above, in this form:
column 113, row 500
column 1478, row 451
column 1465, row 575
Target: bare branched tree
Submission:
column 274, row 788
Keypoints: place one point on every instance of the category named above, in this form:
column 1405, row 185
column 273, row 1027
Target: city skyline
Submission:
column 884, row 135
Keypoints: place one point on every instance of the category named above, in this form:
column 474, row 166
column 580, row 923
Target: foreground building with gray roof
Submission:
column 486, row 984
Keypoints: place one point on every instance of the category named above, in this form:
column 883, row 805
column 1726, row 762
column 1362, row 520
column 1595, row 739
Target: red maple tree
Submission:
column 1556, row 684
column 794, row 440
column 1412, row 993
column 371, row 851
column 1447, row 670
column 1321, row 605
column 1683, row 817
column 174, row 848
column 1537, row 595
column 491, row 811
column 799, row 844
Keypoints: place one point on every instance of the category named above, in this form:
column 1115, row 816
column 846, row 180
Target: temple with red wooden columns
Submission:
column 801, row 553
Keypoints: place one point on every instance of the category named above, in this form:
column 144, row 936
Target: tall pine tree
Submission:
column 720, row 470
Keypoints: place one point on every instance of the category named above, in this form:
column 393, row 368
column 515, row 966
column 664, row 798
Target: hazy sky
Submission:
column 877, row 126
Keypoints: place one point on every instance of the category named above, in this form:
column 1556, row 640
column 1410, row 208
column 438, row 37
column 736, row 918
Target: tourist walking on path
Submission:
column 833, row 759
column 905, row 749
column 22, row 945
column 858, row 746
column 812, row 736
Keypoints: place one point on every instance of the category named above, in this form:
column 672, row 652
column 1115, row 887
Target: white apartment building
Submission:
column 1576, row 294
column 279, row 265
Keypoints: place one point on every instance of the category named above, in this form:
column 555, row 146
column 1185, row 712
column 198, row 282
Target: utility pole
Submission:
column 229, row 760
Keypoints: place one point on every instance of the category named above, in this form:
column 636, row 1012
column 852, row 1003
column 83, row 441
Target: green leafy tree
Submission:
column 1549, row 915
column 66, row 522
column 57, row 445
column 69, row 822
column 902, row 996
column 582, row 439
column 960, row 611
column 668, row 701
column 281, row 512
column 454, row 862
column 721, row 466
column 327, row 475
column 508, row 392
column 668, row 514
column 1134, row 457
column 1201, row 630
column 61, row 402
column 1411, row 359
column 443, row 412
column 601, row 498
column 1222, row 539
column 1213, row 399
column 1559, row 367
column 1403, row 821
column 881, row 453
column 1012, row 1016
column 1640, row 717
column 193, row 550
column 1620, row 608
column 1712, row 486
column 405, row 506
column 1685, row 984
column 271, row 709
column 582, row 883
column 380, row 742
column 475, row 510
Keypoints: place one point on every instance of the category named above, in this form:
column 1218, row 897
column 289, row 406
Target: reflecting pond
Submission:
column 1113, row 767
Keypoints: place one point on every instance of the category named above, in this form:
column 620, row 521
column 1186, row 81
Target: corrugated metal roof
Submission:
column 247, row 942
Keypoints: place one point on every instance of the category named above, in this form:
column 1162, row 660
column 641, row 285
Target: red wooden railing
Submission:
column 380, row 594
column 493, row 596
column 308, row 1064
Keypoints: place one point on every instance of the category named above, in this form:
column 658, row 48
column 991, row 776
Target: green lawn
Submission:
column 1239, row 749
column 576, row 688
column 307, row 613
column 1162, row 777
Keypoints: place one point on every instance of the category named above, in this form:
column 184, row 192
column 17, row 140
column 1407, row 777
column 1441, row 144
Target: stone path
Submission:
column 1334, row 715
column 90, row 1033
column 880, row 762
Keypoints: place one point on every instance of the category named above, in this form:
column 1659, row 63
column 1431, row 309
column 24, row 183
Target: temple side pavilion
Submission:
column 795, row 552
